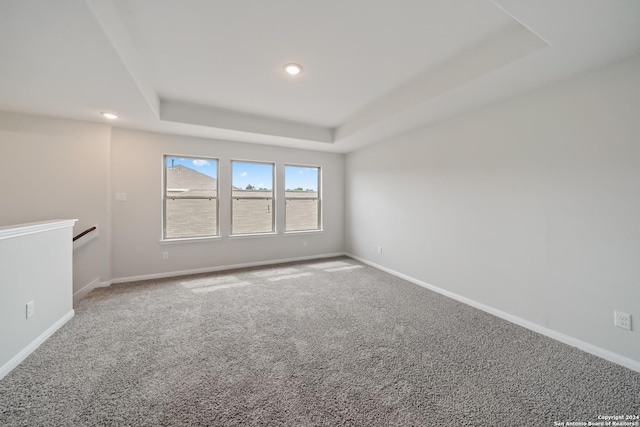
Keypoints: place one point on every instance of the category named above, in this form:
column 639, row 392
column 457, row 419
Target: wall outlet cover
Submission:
column 622, row 320
column 30, row 309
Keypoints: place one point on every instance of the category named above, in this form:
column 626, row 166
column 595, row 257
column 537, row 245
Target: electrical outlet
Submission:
column 622, row 320
column 379, row 249
column 29, row 307
column 165, row 255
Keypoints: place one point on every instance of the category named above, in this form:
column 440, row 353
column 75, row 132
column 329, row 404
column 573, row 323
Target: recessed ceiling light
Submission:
column 109, row 116
column 293, row 69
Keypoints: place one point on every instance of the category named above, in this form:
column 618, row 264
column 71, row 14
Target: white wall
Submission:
column 55, row 168
column 35, row 266
column 531, row 207
column 137, row 165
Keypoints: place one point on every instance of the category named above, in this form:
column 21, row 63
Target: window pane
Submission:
column 302, row 215
column 191, row 218
column 250, row 176
column 191, row 189
column 301, row 178
column 191, row 177
column 252, row 207
column 302, row 185
column 252, row 216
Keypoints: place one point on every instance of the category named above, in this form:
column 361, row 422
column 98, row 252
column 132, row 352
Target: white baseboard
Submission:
column 95, row 283
column 558, row 336
column 213, row 269
column 18, row 358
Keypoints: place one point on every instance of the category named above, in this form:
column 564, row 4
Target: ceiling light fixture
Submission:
column 293, row 69
column 109, row 116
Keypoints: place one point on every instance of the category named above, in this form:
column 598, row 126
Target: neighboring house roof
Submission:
column 195, row 193
column 182, row 177
column 300, row 194
column 252, row 193
column 184, row 181
column 194, row 217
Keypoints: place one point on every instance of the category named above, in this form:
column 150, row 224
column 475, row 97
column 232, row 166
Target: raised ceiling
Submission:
column 372, row 69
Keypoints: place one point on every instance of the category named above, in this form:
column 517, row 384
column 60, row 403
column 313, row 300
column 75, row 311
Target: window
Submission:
column 302, row 198
column 252, row 207
column 190, row 197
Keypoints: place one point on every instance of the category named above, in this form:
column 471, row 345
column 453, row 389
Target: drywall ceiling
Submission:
column 372, row 69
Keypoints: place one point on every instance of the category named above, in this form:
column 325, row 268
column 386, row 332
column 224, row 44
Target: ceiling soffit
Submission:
column 407, row 64
column 511, row 43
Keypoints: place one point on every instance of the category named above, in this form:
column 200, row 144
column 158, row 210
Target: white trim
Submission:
column 34, row 227
column 179, row 240
column 18, row 358
column 303, row 232
column 219, row 268
column 558, row 336
column 253, row 235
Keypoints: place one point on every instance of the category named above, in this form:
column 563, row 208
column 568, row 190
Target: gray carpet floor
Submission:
column 324, row 343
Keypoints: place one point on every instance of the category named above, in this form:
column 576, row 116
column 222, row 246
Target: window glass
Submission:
column 190, row 197
column 252, row 204
column 302, row 196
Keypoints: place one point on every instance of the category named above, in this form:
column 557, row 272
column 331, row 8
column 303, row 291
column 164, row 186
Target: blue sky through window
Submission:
column 301, row 177
column 258, row 175
column 206, row 166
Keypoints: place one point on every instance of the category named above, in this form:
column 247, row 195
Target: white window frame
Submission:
column 318, row 198
column 165, row 198
column 272, row 198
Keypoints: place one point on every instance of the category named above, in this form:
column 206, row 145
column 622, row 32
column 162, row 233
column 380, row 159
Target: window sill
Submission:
column 252, row 236
column 189, row 240
column 297, row 232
